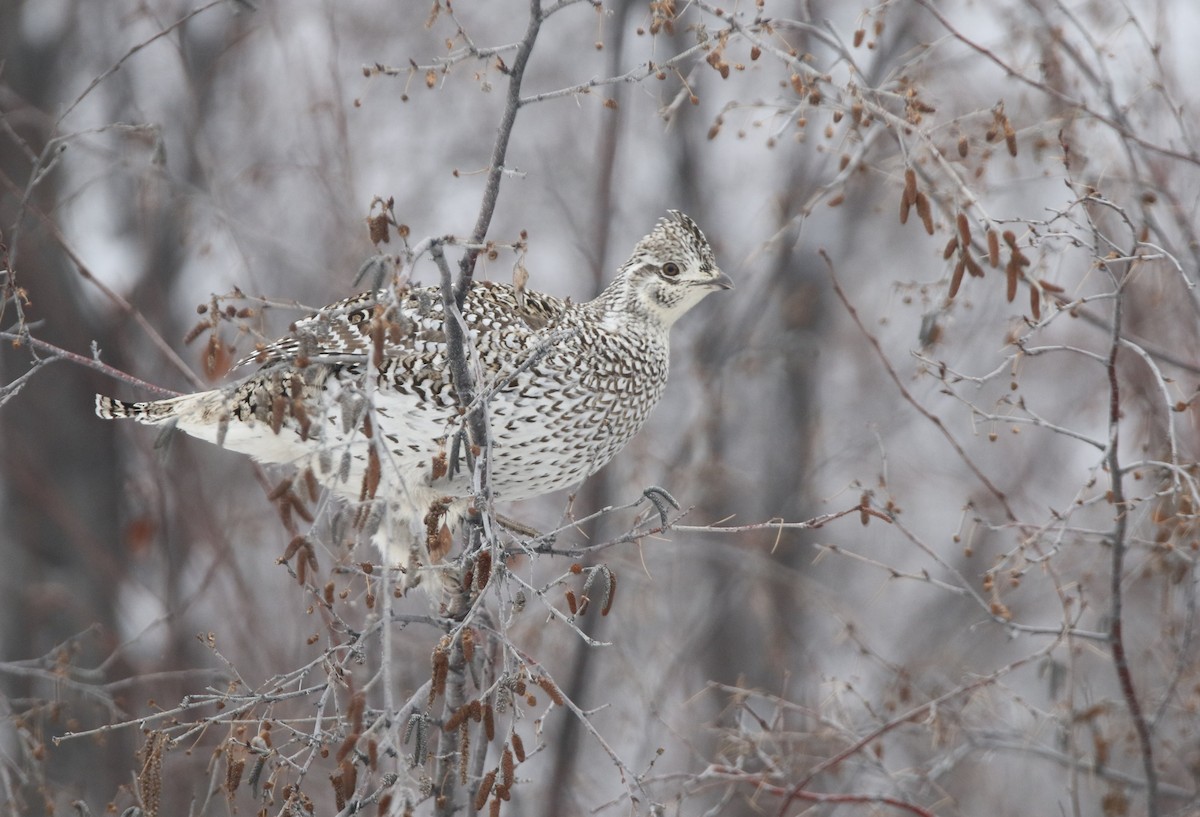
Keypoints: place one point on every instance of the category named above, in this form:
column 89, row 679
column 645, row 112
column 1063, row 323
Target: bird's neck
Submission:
column 618, row 306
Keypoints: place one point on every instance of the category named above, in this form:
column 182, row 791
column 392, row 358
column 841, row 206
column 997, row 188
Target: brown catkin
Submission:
column 371, row 477
column 441, row 667
column 1035, row 303
column 925, row 212
column 546, row 683
column 464, row 753
column 518, row 746
column 278, row 406
column 358, row 702
column 233, row 773
column 279, row 491
column 951, row 247
column 1011, row 274
column 292, row 548
column 349, row 776
column 339, row 791
column 611, row 594
column 963, row 146
column 964, row 229
column 956, row 278
column 993, row 242
column 506, row 768
column 910, row 185
column 489, row 722
column 483, row 568
column 485, row 788
column 456, row 719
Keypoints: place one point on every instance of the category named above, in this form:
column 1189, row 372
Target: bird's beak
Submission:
column 722, row 281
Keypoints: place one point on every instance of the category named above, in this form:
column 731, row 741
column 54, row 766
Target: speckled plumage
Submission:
column 375, row 365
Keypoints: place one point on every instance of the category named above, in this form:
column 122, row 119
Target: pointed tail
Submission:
column 154, row 411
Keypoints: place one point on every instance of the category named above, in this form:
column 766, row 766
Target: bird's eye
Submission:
column 670, row 269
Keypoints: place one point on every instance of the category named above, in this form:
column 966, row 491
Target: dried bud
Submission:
column 377, row 228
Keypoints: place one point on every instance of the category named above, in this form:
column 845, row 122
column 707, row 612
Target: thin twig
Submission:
column 104, row 368
column 116, row 66
column 1118, row 544
column 491, row 191
column 908, row 397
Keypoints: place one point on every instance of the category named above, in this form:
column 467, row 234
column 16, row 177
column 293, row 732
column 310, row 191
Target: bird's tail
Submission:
column 153, row 411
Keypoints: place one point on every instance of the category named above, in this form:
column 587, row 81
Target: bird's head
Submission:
column 671, row 270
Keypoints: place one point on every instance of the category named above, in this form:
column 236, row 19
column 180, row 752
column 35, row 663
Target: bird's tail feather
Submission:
column 154, row 411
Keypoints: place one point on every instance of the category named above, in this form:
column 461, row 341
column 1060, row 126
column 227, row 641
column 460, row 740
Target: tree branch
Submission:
column 1118, row 543
column 491, row 191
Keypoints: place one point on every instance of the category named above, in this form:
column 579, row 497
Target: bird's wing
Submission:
column 389, row 325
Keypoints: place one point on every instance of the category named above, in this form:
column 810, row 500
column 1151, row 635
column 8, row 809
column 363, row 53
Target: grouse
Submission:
column 360, row 393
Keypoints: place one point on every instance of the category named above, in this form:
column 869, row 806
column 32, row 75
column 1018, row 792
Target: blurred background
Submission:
column 155, row 154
